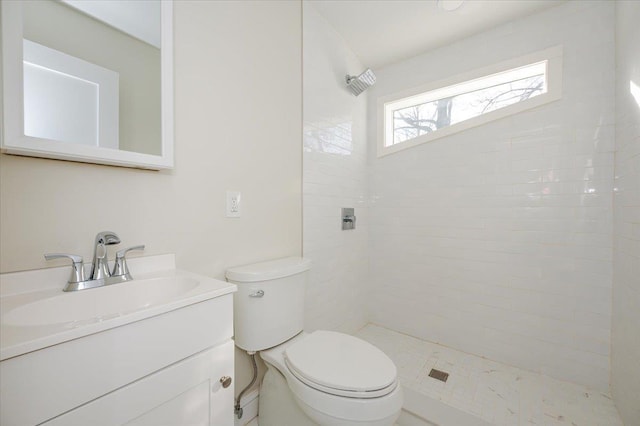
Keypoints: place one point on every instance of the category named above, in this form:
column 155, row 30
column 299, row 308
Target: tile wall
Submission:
column 625, row 374
column 334, row 176
column 498, row 240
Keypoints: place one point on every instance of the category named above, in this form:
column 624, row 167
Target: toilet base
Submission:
column 276, row 404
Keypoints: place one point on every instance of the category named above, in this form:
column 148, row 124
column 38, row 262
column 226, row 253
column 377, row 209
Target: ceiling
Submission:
column 381, row 32
column 138, row 18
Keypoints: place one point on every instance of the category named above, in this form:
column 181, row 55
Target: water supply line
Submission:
column 238, row 409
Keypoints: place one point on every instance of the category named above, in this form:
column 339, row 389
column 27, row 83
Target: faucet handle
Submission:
column 120, row 266
column 77, row 267
column 122, row 253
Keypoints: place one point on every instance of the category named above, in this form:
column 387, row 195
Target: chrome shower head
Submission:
column 362, row 82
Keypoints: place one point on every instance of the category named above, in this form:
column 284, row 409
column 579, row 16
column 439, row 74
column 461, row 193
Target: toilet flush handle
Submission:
column 258, row 293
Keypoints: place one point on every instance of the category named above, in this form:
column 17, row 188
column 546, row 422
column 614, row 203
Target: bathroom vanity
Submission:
column 156, row 350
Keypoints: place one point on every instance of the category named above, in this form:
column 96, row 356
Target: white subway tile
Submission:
column 498, row 240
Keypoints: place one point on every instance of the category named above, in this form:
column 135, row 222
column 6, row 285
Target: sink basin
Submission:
column 97, row 305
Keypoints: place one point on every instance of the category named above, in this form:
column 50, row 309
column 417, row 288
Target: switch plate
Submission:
column 233, row 203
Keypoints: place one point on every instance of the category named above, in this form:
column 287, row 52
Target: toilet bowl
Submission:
column 319, row 378
column 337, row 379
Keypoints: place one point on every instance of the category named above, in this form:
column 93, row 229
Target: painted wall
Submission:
column 238, row 126
column 335, row 176
column 497, row 240
column 625, row 346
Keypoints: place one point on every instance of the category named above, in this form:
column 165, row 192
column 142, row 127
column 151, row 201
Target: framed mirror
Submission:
column 89, row 81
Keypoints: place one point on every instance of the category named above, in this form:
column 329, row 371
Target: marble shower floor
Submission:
column 497, row 393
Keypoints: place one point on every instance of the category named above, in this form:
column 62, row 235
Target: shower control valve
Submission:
column 348, row 218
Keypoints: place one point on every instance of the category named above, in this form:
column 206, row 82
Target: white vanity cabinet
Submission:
column 152, row 351
column 189, row 392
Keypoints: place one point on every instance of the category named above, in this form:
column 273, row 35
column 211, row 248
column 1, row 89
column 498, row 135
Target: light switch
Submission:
column 233, row 203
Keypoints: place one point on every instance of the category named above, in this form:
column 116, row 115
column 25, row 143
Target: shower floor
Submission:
column 497, row 393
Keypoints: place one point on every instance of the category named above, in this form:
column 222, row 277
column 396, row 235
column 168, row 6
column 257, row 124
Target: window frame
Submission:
column 552, row 57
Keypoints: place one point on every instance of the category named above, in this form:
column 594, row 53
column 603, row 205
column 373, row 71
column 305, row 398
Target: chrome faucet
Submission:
column 100, row 266
column 100, row 274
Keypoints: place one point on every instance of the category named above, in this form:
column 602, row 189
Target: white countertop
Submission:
column 18, row 290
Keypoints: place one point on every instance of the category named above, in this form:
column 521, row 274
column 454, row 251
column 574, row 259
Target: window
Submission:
column 476, row 98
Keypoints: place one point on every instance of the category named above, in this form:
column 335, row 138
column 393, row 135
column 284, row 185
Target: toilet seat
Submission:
column 341, row 365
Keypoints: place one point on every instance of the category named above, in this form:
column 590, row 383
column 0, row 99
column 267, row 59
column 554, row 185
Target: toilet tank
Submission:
column 268, row 308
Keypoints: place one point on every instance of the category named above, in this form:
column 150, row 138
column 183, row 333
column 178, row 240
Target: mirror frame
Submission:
column 13, row 139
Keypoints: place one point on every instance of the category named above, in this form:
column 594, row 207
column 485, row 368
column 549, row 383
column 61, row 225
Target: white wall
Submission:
column 497, row 240
column 625, row 347
column 238, row 126
column 334, row 177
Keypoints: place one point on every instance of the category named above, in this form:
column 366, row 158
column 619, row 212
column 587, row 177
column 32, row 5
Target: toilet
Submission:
column 313, row 378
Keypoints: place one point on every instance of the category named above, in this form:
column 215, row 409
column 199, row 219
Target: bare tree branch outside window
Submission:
column 421, row 119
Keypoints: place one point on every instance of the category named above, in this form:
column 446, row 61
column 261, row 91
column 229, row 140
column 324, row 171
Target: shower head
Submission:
column 362, row 82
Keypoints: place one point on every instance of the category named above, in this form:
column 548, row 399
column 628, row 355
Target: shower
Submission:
column 362, row 82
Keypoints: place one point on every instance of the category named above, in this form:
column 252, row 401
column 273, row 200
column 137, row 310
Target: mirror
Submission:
column 89, row 81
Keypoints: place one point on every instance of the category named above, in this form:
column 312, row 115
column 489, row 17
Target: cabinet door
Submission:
column 189, row 408
column 187, row 393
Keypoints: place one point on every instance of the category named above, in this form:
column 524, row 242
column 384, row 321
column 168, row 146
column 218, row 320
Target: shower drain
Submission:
column 439, row 375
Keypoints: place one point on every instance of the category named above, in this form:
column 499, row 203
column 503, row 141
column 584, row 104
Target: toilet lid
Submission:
column 341, row 362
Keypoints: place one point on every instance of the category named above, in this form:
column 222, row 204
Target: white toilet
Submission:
column 318, row 378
